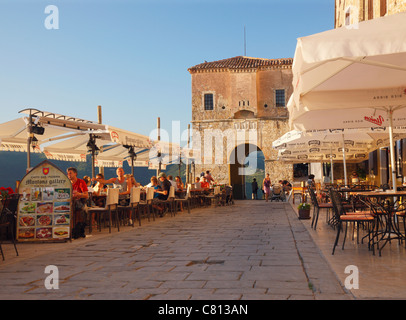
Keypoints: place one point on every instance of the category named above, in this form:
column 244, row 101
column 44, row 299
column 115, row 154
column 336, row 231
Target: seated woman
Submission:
column 156, row 186
column 179, row 183
column 180, row 188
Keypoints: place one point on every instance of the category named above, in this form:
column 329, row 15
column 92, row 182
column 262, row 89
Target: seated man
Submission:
column 163, row 193
column 287, row 187
column 79, row 198
column 204, row 184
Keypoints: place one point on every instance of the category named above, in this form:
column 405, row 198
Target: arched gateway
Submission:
column 240, row 101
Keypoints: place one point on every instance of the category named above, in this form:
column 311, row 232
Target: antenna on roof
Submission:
column 245, row 44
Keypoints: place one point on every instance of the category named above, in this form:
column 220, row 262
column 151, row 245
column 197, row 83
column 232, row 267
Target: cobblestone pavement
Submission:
column 252, row 250
column 379, row 277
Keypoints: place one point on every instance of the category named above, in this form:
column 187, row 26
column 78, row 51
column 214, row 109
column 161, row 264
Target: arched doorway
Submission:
column 247, row 162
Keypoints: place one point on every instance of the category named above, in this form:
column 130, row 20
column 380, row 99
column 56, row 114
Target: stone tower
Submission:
column 239, row 106
column 350, row 12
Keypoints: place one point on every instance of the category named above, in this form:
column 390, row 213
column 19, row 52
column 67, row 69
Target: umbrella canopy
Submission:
column 67, row 138
column 327, row 145
column 362, row 69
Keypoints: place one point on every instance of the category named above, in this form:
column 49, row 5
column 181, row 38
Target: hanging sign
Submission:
column 45, row 207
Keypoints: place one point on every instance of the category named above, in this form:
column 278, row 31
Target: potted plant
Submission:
column 304, row 211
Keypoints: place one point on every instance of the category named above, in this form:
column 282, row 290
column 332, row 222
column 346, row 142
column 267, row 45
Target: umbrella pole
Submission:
column 93, row 169
column 345, row 165
column 392, row 149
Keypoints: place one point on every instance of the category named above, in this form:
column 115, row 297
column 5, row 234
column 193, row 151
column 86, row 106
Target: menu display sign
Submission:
column 45, row 208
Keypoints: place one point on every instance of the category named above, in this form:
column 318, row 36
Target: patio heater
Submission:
column 180, row 163
column 93, row 149
column 133, row 157
column 32, row 128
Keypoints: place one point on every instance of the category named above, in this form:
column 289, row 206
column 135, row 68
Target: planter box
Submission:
column 304, row 213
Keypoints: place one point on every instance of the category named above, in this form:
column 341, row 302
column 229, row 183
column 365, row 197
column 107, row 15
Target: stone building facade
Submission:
column 349, row 12
column 239, row 106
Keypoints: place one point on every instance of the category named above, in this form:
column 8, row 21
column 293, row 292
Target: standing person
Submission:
column 209, row 177
column 79, row 198
column 254, row 186
column 267, row 186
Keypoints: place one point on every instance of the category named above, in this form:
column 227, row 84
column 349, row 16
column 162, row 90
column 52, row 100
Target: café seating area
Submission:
column 141, row 205
column 374, row 217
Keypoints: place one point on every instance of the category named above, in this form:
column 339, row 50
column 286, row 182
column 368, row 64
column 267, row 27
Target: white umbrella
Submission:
column 323, row 145
column 360, row 69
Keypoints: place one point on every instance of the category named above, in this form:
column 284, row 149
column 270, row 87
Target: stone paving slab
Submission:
column 250, row 251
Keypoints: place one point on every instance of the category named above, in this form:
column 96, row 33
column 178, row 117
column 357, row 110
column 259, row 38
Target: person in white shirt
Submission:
column 173, row 183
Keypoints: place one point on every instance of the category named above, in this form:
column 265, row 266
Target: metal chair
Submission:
column 184, row 200
column 346, row 217
column 7, row 215
column 135, row 198
column 214, row 196
column 317, row 206
column 146, row 205
column 111, row 205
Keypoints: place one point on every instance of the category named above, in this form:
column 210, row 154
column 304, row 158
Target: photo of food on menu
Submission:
column 44, row 213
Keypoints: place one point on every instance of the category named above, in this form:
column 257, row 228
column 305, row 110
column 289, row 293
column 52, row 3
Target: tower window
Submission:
column 280, row 98
column 208, row 101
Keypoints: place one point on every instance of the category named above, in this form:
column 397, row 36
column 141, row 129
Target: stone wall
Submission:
column 212, row 139
column 360, row 10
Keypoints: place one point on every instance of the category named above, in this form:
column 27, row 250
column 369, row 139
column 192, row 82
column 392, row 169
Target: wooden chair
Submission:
column 8, row 214
column 111, row 205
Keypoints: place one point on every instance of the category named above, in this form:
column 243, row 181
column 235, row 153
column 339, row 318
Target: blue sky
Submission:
column 131, row 57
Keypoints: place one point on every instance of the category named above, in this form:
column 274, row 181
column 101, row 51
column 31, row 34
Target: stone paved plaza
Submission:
column 250, row 251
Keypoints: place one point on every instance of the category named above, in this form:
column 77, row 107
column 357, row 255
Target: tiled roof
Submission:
column 241, row 62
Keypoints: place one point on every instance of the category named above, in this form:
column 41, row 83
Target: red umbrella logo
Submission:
column 115, row 136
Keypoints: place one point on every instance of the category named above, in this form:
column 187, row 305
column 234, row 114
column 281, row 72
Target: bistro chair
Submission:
column 186, row 199
column 317, row 206
column 229, row 195
column 111, row 205
column 170, row 201
column 135, row 198
column 342, row 216
column 214, row 196
column 146, row 205
column 7, row 216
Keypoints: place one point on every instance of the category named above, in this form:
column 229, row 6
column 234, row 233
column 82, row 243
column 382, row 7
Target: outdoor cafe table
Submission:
column 388, row 203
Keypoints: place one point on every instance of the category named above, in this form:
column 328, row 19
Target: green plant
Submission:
column 305, row 206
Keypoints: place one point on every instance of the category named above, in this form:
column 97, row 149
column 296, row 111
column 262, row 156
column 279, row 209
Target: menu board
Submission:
column 45, row 207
